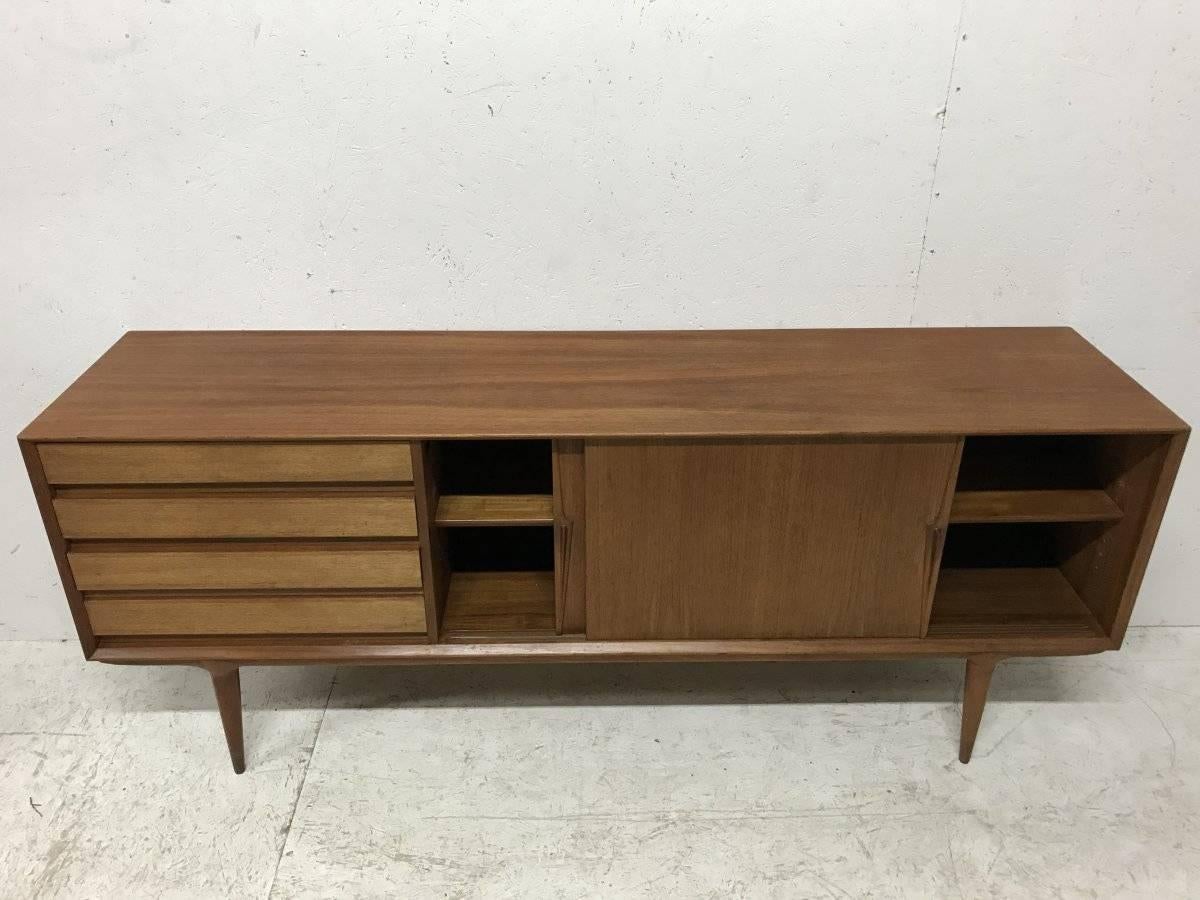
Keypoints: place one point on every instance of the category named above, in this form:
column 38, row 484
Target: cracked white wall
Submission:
column 584, row 165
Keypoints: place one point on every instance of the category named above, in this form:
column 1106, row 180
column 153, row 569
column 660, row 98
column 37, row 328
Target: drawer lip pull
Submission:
column 226, row 462
column 164, row 514
column 233, row 613
column 183, row 565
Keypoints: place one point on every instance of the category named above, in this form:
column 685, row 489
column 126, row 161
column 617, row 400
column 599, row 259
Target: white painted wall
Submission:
column 594, row 165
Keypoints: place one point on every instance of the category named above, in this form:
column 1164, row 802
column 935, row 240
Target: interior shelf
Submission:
column 510, row 606
column 1008, row 602
column 1033, row 506
column 456, row 510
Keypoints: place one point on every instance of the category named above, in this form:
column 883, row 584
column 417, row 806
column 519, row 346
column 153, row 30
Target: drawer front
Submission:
column 245, row 566
column 249, row 614
column 197, row 513
column 225, row 463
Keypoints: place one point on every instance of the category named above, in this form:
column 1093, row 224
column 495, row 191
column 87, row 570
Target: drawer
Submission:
column 224, row 463
column 224, row 614
column 245, row 566
column 234, row 513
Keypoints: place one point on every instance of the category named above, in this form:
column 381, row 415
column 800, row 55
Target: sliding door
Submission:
column 785, row 539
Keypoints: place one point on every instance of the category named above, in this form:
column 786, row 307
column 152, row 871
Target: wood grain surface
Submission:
column 1034, row 506
column 229, row 565
column 1027, row 602
column 217, row 513
column 163, row 386
column 224, row 614
column 1107, row 572
column 709, row 540
column 225, row 463
column 395, row 650
column 570, row 537
column 494, row 509
column 499, row 605
column 44, row 494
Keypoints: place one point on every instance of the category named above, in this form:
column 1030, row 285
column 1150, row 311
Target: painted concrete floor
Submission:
column 766, row 780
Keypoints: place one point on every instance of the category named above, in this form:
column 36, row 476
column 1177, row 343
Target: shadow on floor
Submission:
column 631, row 684
column 625, row 684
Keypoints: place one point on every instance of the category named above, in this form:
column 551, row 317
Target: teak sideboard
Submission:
column 224, row 499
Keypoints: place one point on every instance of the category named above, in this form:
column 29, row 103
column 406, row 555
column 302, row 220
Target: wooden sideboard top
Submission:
column 245, row 385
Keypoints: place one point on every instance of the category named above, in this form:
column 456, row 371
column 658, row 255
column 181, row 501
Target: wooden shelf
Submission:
column 495, row 509
column 1033, row 506
column 1009, row 603
column 511, row 606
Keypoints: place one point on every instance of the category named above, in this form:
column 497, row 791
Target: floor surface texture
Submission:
column 679, row 781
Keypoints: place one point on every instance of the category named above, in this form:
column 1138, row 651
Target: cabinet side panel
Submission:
column 783, row 539
column 435, row 573
column 1107, row 570
column 45, row 502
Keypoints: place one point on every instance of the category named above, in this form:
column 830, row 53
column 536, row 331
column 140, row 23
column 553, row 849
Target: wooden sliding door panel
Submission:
column 785, row 539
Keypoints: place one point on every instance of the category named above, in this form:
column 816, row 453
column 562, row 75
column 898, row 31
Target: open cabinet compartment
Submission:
column 501, row 583
column 1012, row 579
column 493, row 534
column 1042, row 535
column 500, row 483
column 1036, row 478
column 495, row 467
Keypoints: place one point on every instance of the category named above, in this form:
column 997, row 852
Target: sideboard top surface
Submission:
column 245, row 385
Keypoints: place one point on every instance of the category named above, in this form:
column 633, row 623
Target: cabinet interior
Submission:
column 1039, row 540
column 495, row 467
column 1042, row 532
column 493, row 525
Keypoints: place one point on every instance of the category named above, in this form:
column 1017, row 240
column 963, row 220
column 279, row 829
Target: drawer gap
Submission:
column 276, row 489
column 187, row 545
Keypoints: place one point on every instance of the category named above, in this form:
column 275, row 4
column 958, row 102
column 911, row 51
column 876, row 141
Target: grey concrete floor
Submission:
column 724, row 780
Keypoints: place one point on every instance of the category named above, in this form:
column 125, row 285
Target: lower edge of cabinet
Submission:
column 393, row 651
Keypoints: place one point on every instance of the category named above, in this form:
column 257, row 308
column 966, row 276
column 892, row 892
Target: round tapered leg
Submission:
column 979, row 676
column 227, row 684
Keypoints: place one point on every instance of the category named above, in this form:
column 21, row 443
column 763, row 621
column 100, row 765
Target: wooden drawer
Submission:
column 245, row 566
column 228, row 613
column 234, row 513
column 224, row 463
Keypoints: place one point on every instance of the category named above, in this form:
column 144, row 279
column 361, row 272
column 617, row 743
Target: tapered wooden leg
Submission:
column 227, row 683
column 979, row 676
